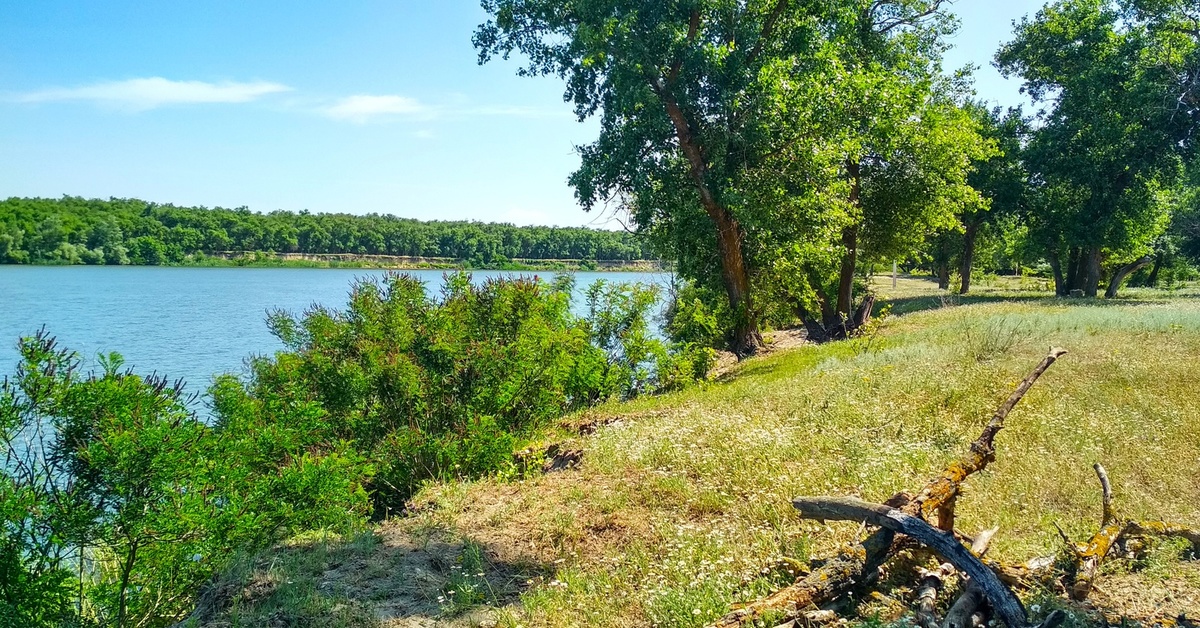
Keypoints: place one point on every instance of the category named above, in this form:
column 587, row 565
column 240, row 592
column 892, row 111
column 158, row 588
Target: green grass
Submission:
column 682, row 504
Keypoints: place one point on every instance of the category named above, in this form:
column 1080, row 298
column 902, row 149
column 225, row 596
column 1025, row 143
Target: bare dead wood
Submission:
column 983, row 542
column 964, row 609
column 1006, row 605
column 1109, row 514
column 1162, row 528
column 945, row 514
column 1034, row 571
column 835, row 577
column 1113, row 530
column 932, row 582
column 861, row 561
column 983, row 451
column 1089, row 555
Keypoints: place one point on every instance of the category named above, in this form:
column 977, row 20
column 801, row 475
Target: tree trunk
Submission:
column 1073, row 270
column 1152, row 280
column 747, row 340
column 943, row 273
column 1060, row 284
column 1123, row 272
column 1092, row 261
column 845, row 297
column 968, row 257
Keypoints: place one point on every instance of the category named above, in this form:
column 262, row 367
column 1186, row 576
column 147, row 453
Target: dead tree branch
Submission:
column 857, row 563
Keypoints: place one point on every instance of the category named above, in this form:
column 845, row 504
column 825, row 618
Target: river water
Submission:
column 189, row 323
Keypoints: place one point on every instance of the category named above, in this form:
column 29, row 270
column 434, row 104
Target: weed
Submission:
column 467, row 586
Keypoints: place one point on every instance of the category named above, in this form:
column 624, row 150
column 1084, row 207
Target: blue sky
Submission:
column 354, row 106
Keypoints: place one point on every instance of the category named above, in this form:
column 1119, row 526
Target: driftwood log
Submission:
column 860, row 562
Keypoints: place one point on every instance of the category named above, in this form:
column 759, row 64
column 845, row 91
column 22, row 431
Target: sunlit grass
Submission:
column 682, row 504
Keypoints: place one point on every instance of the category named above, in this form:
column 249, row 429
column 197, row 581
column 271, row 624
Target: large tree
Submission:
column 1118, row 81
column 1000, row 180
column 702, row 115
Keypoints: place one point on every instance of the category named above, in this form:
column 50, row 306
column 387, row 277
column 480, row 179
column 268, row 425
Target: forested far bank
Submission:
column 74, row 230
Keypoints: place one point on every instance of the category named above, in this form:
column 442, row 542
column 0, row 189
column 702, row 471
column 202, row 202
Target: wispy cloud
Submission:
column 364, row 108
column 150, row 93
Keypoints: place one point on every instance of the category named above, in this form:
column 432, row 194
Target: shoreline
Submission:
column 261, row 259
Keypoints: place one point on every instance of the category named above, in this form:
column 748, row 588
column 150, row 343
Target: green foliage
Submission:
column 695, row 316
column 763, row 120
column 441, row 387
column 1107, row 149
column 116, row 502
column 74, row 230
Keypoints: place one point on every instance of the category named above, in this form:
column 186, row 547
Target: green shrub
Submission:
column 117, row 503
column 445, row 386
column 426, row 387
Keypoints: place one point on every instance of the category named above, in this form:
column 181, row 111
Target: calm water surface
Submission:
column 190, row 323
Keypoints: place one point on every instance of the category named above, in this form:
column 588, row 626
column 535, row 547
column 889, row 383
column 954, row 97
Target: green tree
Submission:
column 1107, row 148
column 721, row 131
column 1000, row 179
column 678, row 86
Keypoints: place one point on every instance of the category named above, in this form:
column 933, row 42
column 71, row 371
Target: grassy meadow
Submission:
column 680, row 505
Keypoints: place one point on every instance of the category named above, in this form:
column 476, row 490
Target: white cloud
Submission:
column 363, row 108
column 149, row 93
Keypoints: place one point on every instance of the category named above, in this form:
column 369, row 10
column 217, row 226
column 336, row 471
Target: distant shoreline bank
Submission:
column 267, row 259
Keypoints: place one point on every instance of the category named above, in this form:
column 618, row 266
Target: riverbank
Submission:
column 266, row 259
column 667, row 511
column 399, row 262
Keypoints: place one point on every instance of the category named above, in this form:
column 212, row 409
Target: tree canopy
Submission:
column 726, row 129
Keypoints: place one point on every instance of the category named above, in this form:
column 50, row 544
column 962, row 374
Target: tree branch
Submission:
column 767, row 31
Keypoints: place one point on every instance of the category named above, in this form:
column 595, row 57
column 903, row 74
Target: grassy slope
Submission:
column 682, row 500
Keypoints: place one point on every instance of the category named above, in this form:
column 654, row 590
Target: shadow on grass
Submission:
column 380, row 576
column 909, row 305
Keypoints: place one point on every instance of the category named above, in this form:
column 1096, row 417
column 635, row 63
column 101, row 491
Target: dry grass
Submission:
column 682, row 502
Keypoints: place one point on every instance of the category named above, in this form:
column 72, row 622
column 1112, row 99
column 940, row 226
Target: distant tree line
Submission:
column 73, row 230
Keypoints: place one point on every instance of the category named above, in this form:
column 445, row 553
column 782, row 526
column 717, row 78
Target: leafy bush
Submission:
column 427, row 387
column 117, row 503
column 446, row 386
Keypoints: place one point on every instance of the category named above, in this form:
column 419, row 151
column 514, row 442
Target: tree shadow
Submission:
column 382, row 575
column 909, row 305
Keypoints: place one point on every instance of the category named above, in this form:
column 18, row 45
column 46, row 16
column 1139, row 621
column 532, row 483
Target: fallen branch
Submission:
column 1090, row 555
column 1006, row 605
column 968, row 610
column 932, row 582
column 942, row 492
column 859, row 562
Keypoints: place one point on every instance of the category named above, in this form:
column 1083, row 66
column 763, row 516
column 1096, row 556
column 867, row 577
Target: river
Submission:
column 189, row 323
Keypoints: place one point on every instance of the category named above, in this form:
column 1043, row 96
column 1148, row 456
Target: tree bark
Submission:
column 968, row 256
column 1092, row 265
column 734, row 275
column 1073, row 270
column 1152, row 280
column 1060, row 284
column 1123, row 272
column 943, row 273
column 845, row 297
column 1003, row 602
